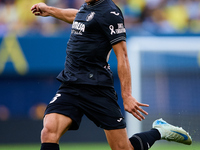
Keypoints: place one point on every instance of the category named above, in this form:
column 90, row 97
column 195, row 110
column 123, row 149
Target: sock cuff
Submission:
column 144, row 140
column 49, row 146
column 140, row 141
column 158, row 135
column 137, row 143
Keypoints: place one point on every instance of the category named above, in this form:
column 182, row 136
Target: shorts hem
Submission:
column 113, row 128
column 74, row 125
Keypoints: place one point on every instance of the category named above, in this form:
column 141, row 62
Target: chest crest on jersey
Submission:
column 90, row 16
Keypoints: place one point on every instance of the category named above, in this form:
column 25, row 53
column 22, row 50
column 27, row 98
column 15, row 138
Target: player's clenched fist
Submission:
column 40, row 9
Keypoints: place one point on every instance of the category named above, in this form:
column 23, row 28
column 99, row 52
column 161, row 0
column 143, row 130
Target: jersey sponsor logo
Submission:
column 78, row 28
column 113, row 12
column 120, row 29
column 90, row 16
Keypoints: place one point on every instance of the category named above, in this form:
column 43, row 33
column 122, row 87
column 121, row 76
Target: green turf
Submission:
column 95, row 146
column 175, row 146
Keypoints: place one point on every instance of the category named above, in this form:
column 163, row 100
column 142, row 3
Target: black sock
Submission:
column 144, row 140
column 49, row 146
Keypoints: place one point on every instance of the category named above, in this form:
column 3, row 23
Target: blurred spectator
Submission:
column 177, row 15
column 154, row 18
column 141, row 16
column 8, row 16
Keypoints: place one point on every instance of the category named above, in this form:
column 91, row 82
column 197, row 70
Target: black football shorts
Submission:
column 98, row 103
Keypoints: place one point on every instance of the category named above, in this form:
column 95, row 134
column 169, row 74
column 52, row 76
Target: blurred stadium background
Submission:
column 32, row 53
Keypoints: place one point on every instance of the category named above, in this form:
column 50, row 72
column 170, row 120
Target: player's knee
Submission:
column 121, row 146
column 49, row 135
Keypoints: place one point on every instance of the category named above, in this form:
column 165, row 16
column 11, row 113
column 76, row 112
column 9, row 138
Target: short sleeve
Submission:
column 112, row 24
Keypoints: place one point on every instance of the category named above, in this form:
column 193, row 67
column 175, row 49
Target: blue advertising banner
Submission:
column 31, row 56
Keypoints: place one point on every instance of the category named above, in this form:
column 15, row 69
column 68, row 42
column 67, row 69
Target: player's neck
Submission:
column 91, row 2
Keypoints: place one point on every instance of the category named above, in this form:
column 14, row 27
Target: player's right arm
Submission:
column 67, row 15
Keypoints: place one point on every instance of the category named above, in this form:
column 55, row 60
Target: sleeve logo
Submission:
column 120, row 29
column 113, row 12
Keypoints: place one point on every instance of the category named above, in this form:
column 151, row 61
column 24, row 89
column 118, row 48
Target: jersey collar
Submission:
column 95, row 4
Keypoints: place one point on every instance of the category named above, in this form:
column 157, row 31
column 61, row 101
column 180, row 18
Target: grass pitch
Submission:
column 100, row 146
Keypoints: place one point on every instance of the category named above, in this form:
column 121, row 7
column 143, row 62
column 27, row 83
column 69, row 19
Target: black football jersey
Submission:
column 95, row 29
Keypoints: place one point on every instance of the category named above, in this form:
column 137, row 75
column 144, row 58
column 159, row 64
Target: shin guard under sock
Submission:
column 49, row 146
column 144, row 140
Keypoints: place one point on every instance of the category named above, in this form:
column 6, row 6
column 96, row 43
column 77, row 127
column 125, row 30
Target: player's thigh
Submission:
column 55, row 125
column 118, row 139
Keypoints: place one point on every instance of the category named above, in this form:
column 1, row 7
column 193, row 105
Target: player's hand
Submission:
column 132, row 106
column 40, row 9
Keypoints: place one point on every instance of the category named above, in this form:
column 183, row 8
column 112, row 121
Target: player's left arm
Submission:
column 131, row 105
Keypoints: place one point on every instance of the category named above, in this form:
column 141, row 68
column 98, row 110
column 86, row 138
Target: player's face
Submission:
column 90, row 1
